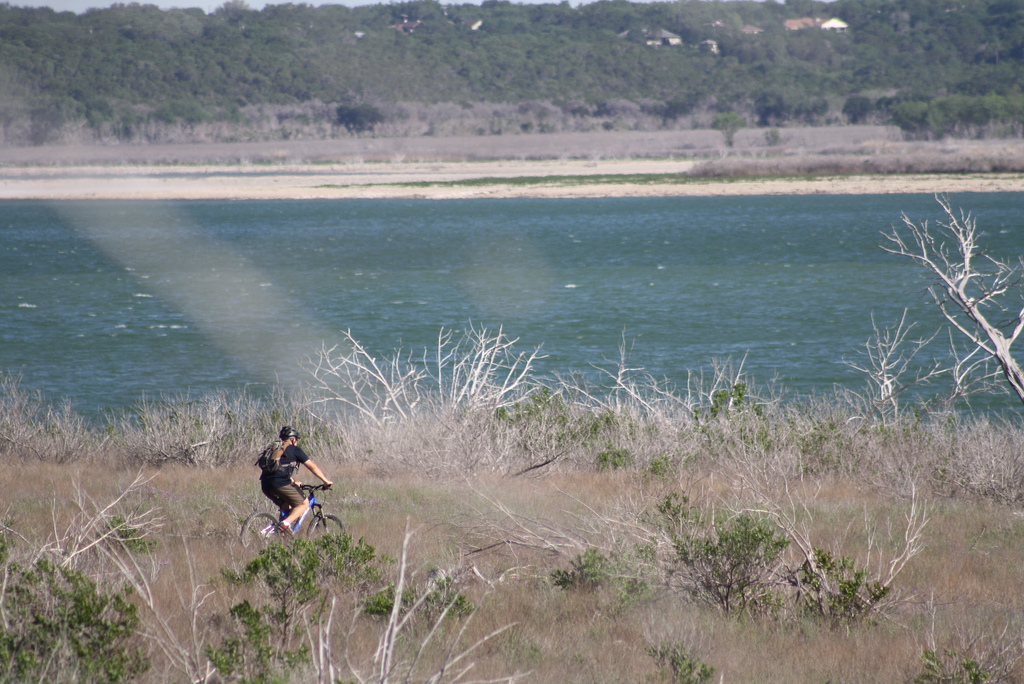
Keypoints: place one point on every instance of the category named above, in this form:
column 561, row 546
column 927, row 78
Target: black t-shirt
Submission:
column 290, row 460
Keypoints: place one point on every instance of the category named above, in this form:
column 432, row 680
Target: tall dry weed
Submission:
column 33, row 428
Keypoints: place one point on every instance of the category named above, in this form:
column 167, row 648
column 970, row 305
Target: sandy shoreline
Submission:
column 382, row 180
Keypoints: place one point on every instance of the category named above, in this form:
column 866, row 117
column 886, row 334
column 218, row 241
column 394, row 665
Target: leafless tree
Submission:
column 479, row 370
column 888, row 363
column 979, row 295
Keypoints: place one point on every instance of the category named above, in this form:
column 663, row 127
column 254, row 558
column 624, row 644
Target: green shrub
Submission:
column 673, row 515
column 662, row 468
column 265, row 642
column 732, row 566
column 836, row 589
column 950, row 667
column 60, row 626
column 857, row 108
column 133, row 538
column 682, row 667
column 728, row 123
column 383, row 602
column 624, row 575
column 544, row 422
column 442, row 596
column 358, row 118
column 724, row 400
column 614, row 458
column 824, row 446
column 186, row 111
column 588, row 570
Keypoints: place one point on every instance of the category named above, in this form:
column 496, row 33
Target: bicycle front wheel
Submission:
column 260, row 529
column 328, row 524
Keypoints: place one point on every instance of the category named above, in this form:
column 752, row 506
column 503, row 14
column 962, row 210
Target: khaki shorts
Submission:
column 286, row 497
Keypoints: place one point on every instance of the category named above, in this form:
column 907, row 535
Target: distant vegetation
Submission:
column 137, row 73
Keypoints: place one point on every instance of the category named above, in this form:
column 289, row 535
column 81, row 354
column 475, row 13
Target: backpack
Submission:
column 270, row 459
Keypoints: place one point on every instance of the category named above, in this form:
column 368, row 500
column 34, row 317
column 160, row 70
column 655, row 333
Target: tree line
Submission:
column 932, row 68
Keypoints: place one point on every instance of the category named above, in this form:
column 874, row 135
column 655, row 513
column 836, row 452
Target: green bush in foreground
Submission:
column 265, row 642
column 733, row 566
column 59, row 626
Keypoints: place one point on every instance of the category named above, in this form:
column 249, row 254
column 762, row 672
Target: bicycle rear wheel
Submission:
column 260, row 529
column 328, row 524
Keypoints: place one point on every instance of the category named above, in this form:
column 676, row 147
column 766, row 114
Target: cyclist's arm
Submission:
column 315, row 469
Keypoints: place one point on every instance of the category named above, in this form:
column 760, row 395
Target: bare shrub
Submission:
column 219, row 429
column 828, row 583
column 977, row 648
column 980, row 458
column 31, row 428
column 183, row 648
column 400, row 656
column 479, row 371
column 77, row 542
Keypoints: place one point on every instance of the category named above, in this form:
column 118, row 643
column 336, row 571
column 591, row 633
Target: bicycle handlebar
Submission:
column 314, row 488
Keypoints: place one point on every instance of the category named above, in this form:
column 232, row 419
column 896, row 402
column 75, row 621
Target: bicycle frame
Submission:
column 311, row 499
column 266, row 525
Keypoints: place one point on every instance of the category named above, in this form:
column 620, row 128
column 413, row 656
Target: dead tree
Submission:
column 979, row 295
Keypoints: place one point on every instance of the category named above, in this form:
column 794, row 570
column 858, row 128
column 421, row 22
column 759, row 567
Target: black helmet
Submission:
column 287, row 432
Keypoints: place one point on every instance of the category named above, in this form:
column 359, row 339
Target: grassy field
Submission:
column 545, row 534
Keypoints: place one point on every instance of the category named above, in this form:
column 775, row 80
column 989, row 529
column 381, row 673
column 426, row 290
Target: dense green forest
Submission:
column 932, row 67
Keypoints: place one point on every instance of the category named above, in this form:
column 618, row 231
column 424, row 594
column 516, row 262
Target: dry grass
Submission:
column 948, row 490
column 963, row 586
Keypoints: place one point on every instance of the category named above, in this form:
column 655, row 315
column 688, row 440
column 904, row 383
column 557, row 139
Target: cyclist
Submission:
column 277, row 482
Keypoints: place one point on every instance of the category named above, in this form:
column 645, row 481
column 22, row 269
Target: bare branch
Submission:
column 972, row 296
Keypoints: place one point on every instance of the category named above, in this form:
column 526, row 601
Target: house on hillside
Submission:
column 751, row 30
column 709, row 46
column 662, row 37
column 801, row 23
column 473, row 24
column 406, row 26
column 837, row 25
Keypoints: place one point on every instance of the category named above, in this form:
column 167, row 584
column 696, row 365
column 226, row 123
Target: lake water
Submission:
column 105, row 303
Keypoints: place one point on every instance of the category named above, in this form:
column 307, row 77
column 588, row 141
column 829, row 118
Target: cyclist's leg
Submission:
column 290, row 495
column 296, row 513
column 290, row 500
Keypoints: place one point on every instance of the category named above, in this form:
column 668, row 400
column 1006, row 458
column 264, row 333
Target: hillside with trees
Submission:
column 138, row 73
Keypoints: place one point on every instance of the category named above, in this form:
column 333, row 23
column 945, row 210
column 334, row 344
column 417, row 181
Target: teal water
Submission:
column 103, row 304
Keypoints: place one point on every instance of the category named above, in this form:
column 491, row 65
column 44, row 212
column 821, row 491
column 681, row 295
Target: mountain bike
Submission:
column 262, row 528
